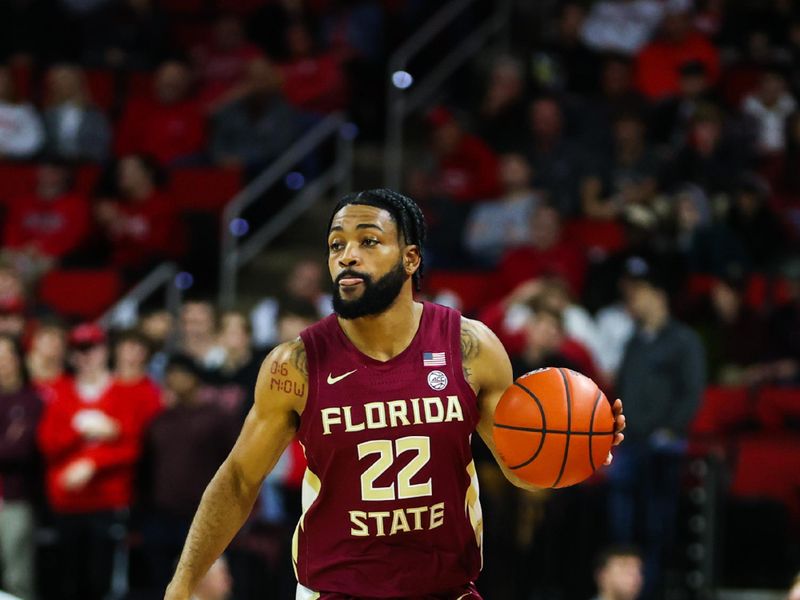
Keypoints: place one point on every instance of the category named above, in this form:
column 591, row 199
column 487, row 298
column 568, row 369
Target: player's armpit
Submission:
column 280, row 395
column 488, row 370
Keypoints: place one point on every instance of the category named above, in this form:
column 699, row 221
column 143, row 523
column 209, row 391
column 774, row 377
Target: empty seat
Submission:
column 80, row 293
column 16, row 179
column 204, row 189
column 722, row 410
column 778, row 408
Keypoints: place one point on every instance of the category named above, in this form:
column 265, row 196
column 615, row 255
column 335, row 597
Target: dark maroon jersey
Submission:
column 390, row 497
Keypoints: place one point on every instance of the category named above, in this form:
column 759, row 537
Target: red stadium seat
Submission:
column 102, row 88
column 595, row 234
column 722, row 410
column 473, row 289
column 769, row 467
column 80, row 293
column 139, row 84
column 204, row 189
column 777, row 408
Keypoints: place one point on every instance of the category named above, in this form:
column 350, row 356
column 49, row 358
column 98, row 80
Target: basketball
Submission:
column 553, row 427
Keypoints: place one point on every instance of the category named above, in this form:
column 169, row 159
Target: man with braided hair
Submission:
column 384, row 395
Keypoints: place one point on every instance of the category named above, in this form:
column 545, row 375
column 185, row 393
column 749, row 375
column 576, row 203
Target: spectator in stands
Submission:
column 169, row 125
column 12, row 285
column 706, row 245
column 781, row 362
column 222, row 64
column 544, row 335
column 130, row 357
column 139, row 220
column 502, row 106
column 158, row 327
column 662, row 378
column 21, row 130
column 707, row 158
column 131, row 35
column 259, row 126
column 615, row 324
column 90, row 436
column 557, row 161
column 616, row 97
column 628, row 176
column 499, row 224
column 44, row 227
column 618, row 574
column 673, row 115
column 75, row 129
column 734, row 333
column 547, row 252
column 303, row 282
column 565, row 63
column 217, row 582
column 197, row 334
column 658, row 63
column 12, row 317
column 235, row 379
column 183, row 447
column 769, row 106
column 755, row 223
column 20, row 411
column 313, row 81
column 465, row 169
column 46, row 358
column 624, row 27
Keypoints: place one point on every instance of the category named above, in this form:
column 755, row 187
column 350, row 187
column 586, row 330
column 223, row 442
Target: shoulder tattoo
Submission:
column 298, row 357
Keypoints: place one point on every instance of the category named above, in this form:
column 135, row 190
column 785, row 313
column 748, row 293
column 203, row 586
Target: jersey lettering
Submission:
column 391, row 414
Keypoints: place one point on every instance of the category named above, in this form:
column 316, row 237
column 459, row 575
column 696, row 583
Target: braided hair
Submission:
column 405, row 212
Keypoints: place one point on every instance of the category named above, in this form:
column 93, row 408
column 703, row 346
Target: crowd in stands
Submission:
column 620, row 196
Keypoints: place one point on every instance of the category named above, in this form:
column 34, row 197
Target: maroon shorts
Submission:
column 468, row 592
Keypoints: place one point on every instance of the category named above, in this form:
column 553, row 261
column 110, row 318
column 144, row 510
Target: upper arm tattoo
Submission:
column 298, row 357
column 470, row 348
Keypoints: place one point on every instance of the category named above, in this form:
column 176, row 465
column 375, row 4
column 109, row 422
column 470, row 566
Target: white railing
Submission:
column 234, row 255
column 124, row 313
column 404, row 95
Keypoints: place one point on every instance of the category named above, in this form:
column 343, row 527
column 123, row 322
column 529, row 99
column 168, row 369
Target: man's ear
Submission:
column 411, row 259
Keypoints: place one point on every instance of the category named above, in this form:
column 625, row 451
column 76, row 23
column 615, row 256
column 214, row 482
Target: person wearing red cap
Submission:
column 90, row 438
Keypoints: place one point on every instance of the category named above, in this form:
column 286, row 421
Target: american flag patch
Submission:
column 433, row 359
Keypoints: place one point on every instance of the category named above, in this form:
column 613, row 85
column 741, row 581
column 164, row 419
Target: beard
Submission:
column 377, row 295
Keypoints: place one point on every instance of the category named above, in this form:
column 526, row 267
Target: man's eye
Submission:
column 369, row 242
column 336, row 246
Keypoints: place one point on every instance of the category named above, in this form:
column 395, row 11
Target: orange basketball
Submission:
column 553, row 427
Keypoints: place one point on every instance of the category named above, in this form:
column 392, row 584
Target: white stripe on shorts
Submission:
column 303, row 593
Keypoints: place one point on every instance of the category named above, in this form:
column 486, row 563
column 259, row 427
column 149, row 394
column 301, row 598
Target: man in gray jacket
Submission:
column 662, row 378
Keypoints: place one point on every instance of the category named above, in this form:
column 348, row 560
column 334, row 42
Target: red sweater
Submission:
column 315, row 83
column 526, row 262
column 658, row 64
column 150, row 230
column 469, row 174
column 165, row 131
column 54, row 227
column 112, row 485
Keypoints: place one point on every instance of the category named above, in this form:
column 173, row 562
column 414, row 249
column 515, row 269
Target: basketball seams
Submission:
column 551, row 431
column 544, row 427
column 569, row 426
column 591, row 427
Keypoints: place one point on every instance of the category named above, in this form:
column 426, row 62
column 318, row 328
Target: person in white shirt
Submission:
column 769, row 106
column 21, row 131
column 623, row 26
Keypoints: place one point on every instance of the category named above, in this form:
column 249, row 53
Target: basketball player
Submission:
column 384, row 395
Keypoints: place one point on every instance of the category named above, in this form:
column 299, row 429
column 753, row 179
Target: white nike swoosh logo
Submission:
column 332, row 379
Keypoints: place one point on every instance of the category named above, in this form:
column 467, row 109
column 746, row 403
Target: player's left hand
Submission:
column 619, row 426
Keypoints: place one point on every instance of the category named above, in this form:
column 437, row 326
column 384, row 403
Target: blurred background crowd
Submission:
column 615, row 190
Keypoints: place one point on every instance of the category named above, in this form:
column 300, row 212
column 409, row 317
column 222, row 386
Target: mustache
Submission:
column 350, row 273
